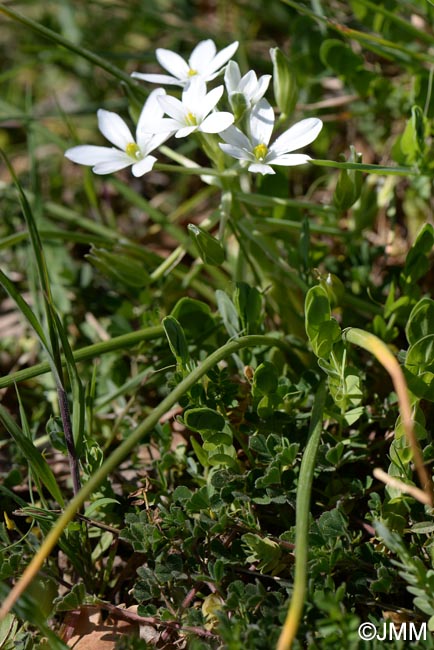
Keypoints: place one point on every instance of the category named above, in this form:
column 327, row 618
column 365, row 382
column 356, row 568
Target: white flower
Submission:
column 204, row 63
column 255, row 149
column 193, row 113
column 249, row 86
column 126, row 151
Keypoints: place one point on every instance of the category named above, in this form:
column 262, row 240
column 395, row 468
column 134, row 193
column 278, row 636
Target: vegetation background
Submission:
column 189, row 537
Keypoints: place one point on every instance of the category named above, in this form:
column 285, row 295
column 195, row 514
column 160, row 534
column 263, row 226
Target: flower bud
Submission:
column 239, row 104
column 284, row 84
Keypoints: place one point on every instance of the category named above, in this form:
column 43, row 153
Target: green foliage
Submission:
column 209, row 249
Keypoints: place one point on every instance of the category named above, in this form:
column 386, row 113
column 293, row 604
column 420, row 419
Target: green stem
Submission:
column 304, row 489
column 88, row 352
column 122, row 452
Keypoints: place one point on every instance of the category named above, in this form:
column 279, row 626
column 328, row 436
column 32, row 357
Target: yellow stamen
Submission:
column 192, row 73
column 133, row 150
column 260, row 151
column 190, row 119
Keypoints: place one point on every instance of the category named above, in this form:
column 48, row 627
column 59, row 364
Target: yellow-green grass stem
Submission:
column 383, row 354
column 302, row 511
column 122, row 452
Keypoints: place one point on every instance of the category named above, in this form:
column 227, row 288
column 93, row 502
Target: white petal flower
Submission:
column 194, row 113
column 249, row 86
column 126, row 151
column 254, row 149
column 204, row 62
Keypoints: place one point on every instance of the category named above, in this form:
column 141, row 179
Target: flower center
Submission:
column 260, row 151
column 133, row 150
column 192, row 72
column 191, row 119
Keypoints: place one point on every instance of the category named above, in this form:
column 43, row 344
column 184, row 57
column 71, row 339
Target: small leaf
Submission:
column 204, row 419
column 323, row 331
column 194, row 316
column 421, row 320
column 209, row 249
column 228, row 313
column 123, row 268
column 34, row 457
column 265, row 378
column 248, row 302
column 177, row 341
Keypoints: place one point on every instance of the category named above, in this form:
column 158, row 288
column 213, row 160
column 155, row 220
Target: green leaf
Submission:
column 322, row 330
column 265, row 378
column 248, row 302
column 37, row 462
column 209, row 249
column 201, row 454
column 121, row 267
column 194, row 316
column 97, row 504
column 204, row 419
column 264, row 552
column 177, row 341
column 420, row 356
column 71, row 600
column 412, row 142
column 228, row 313
column 332, row 524
column 349, row 184
column 417, row 263
column 421, row 320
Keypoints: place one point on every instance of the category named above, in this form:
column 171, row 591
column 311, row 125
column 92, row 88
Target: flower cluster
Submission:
column 163, row 116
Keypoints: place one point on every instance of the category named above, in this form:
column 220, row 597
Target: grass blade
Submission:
column 37, row 462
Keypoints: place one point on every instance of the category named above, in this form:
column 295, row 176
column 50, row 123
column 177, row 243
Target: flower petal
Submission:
column 221, row 58
column 155, row 140
column 111, row 166
column 151, row 111
column 236, row 152
column 165, row 125
column 298, row 136
column 289, row 159
column 232, row 77
column 193, row 95
column 173, row 63
column 216, row 122
column 209, row 102
column 248, row 83
column 158, row 79
column 173, row 107
column 234, row 136
column 261, row 88
column 114, row 129
column 143, row 166
column 87, row 154
column 260, row 168
column 261, row 122
column 202, row 55
column 186, row 130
